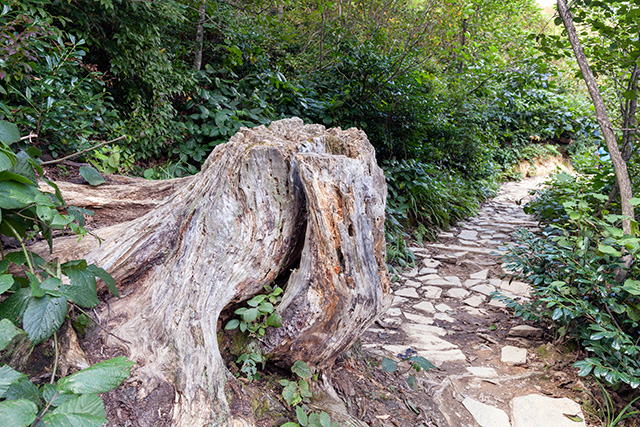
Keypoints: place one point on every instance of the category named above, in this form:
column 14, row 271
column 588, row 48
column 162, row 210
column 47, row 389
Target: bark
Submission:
column 200, row 36
column 267, row 201
column 622, row 175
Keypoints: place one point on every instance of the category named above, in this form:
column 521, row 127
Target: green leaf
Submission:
column 6, row 281
column 250, row 315
column 9, row 132
column 106, row 278
column 301, row 369
column 8, row 376
column 91, row 175
column 634, row 201
column 423, row 363
column 43, row 316
column 15, row 195
column 411, row 381
column 610, row 250
column 632, row 286
column 23, row 389
column 13, row 307
column 290, row 424
column 389, row 365
column 274, row 320
column 17, row 413
column 82, row 411
column 232, row 324
column 82, row 285
column 325, row 419
column 8, row 332
column 99, row 378
column 301, row 415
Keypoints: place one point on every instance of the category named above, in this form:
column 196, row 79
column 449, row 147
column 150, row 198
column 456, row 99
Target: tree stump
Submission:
column 290, row 196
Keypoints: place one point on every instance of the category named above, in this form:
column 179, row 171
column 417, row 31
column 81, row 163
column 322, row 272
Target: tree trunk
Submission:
column 622, row 175
column 290, row 196
column 200, row 36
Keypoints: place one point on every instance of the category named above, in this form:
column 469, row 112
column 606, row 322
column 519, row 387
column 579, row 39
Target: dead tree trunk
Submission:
column 267, row 201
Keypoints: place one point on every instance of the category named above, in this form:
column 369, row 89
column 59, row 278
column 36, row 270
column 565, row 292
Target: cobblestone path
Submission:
column 490, row 369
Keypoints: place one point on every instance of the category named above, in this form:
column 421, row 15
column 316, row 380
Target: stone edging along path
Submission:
column 488, row 370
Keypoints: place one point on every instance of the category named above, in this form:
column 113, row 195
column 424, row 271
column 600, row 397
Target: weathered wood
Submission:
column 269, row 200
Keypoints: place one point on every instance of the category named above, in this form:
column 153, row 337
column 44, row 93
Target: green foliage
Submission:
column 608, row 414
column 72, row 401
column 417, row 363
column 35, row 296
column 260, row 314
column 572, row 268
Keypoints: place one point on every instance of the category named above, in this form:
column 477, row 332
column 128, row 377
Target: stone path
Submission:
column 487, row 375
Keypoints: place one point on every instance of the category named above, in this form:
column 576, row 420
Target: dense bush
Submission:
column 584, row 274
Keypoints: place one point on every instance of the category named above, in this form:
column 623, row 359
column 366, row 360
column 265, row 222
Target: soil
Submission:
column 375, row 397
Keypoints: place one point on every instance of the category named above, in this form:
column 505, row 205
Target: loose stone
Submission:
column 536, row 410
column 426, row 306
column 432, row 292
column 526, row 331
column 407, row 292
column 514, row 355
column 480, row 275
column 485, row 415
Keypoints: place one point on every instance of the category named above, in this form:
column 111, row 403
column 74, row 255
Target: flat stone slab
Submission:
column 443, row 307
column 443, row 283
column 536, row 410
column 427, row 270
column 453, row 279
column 462, row 249
column 407, row 292
column 482, row 371
column 514, row 355
column 412, row 283
column 488, row 416
column 468, row 234
column 526, row 331
column 516, row 288
column 480, row 275
column 474, row 301
column 426, row 306
column 394, row 311
column 432, row 292
column 472, row 282
column 430, row 263
column 419, row 318
column 484, row 289
column 458, row 293
column 444, row 317
column 421, row 329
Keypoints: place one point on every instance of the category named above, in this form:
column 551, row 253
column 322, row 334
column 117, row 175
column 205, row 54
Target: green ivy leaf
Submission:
column 301, row 415
column 17, row 413
column 8, row 332
column 43, row 316
column 13, row 307
column 99, row 378
column 250, row 315
column 91, row 175
column 325, row 419
column 232, row 324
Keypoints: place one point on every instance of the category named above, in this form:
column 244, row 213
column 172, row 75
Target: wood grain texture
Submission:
column 271, row 199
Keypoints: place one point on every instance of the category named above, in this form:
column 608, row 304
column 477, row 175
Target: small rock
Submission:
column 407, row 292
column 497, row 303
column 394, row 311
column 496, row 282
column 471, row 282
column 432, row 292
column 468, row 235
column 485, row 415
column 443, row 307
column 430, row 263
column 446, row 235
column 412, row 283
column 440, row 282
column 468, row 263
column 482, row 371
column 444, row 317
column 474, row 301
column 526, row 331
column 431, row 277
column 514, row 355
column 458, row 293
column 397, row 300
column 484, row 289
column 474, row 311
column 516, row 287
column 468, row 242
column 426, row 270
column 411, row 273
column 426, row 306
column 536, row 410
column 480, row 275
column 454, row 279
column 390, row 322
column 418, row 318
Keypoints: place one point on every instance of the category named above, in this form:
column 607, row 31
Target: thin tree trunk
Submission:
column 620, row 166
column 200, row 35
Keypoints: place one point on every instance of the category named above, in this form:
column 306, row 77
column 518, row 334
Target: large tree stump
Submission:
column 271, row 199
